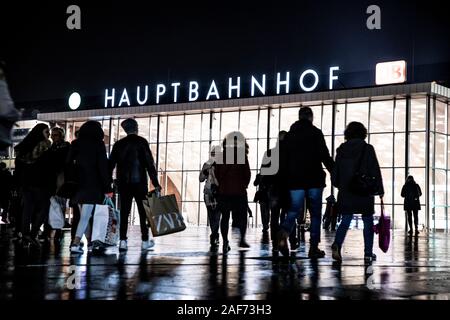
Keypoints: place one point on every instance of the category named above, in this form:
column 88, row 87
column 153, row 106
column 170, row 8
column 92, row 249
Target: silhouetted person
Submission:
column 210, row 190
column 8, row 113
column 134, row 160
column 355, row 155
column 87, row 158
column 34, row 179
column 5, row 191
column 302, row 154
column 411, row 192
column 233, row 176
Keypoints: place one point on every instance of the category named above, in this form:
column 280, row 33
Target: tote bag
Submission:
column 383, row 229
column 56, row 213
column 163, row 215
column 106, row 223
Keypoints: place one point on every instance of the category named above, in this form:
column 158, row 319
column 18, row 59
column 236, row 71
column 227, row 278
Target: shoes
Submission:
column 294, row 245
column 336, row 252
column 226, row 247
column 410, row 232
column 244, row 244
column 368, row 259
column 283, row 247
column 76, row 249
column 123, row 246
column 315, row 253
column 34, row 242
column 417, row 232
column 146, row 245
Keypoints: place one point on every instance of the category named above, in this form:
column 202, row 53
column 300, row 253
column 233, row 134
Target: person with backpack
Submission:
column 207, row 175
column 411, row 192
column 357, row 175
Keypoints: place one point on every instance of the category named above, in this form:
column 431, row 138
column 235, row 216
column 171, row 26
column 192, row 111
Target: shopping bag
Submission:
column 56, row 217
column 106, row 223
column 383, row 229
column 163, row 215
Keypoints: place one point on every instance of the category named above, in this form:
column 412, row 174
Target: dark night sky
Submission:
column 132, row 42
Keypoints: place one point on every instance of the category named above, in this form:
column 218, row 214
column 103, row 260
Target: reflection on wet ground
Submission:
column 180, row 267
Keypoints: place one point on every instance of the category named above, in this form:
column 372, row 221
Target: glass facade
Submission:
column 398, row 128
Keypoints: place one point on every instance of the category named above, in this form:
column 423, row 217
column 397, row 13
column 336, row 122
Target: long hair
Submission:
column 91, row 131
column 32, row 139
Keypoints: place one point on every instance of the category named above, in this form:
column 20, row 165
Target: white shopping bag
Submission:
column 56, row 213
column 105, row 227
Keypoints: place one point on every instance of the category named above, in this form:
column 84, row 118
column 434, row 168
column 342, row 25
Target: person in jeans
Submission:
column 302, row 154
column 352, row 153
column 233, row 175
column 89, row 162
column 412, row 192
column 133, row 159
column 210, row 189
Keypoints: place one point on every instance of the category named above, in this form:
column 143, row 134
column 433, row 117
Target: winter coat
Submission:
column 347, row 157
column 233, row 178
column 302, row 153
column 411, row 192
column 89, row 163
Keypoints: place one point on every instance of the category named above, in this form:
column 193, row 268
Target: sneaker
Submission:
column 123, row 246
column 76, row 249
column 336, row 252
column 370, row 258
column 244, row 244
column 146, row 245
column 226, row 247
column 316, row 253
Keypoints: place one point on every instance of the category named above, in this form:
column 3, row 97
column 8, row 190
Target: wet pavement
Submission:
column 180, row 267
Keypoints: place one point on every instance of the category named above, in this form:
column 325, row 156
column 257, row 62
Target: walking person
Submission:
column 207, row 175
column 87, row 158
column 302, row 154
column 134, row 160
column 34, row 179
column 5, row 192
column 233, row 175
column 354, row 157
column 411, row 192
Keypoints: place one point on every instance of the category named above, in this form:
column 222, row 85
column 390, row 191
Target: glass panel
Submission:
column 387, row 184
column 154, row 129
column 399, row 147
column 262, row 128
column 190, row 212
column 107, row 139
column 203, row 213
column 163, row 129
column 205, row 152
column 191, row 156
column 191, row 190
column 383, row 148
column 174, row 184
column 381, row 116
column 340, row 119
column 162, row 157
column 440, row 151
column 253, row 153
column 275, row 126
column 174, row 156
column 205, row 126
column 358, row 112
column 417, row 149
column 399, row 222
column 398, row 185
column 418, row 114
column 249, row 123
column 230, row 122
column 192, row 127
column 317, row 112
column 327, row 119
column 288, row 117
column 144, row 127
column 400, row 115
column 175, row 129
column 215, row 134
column 440, row 188
column 251, row 188
column 441, row 109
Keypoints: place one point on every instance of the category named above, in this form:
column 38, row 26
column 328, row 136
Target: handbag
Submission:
column 362, row 184
column 163, row 214
column 383, row 229
column 56, row 217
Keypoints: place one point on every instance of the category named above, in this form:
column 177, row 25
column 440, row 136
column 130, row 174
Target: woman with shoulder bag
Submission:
column 357, row 175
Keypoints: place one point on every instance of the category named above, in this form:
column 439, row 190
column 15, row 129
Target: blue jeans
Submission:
column 368, row 232
column 297, row 207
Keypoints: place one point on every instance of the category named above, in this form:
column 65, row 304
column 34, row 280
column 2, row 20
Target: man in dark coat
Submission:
column 302, row 154
column 134, row 160
column 411, row 192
